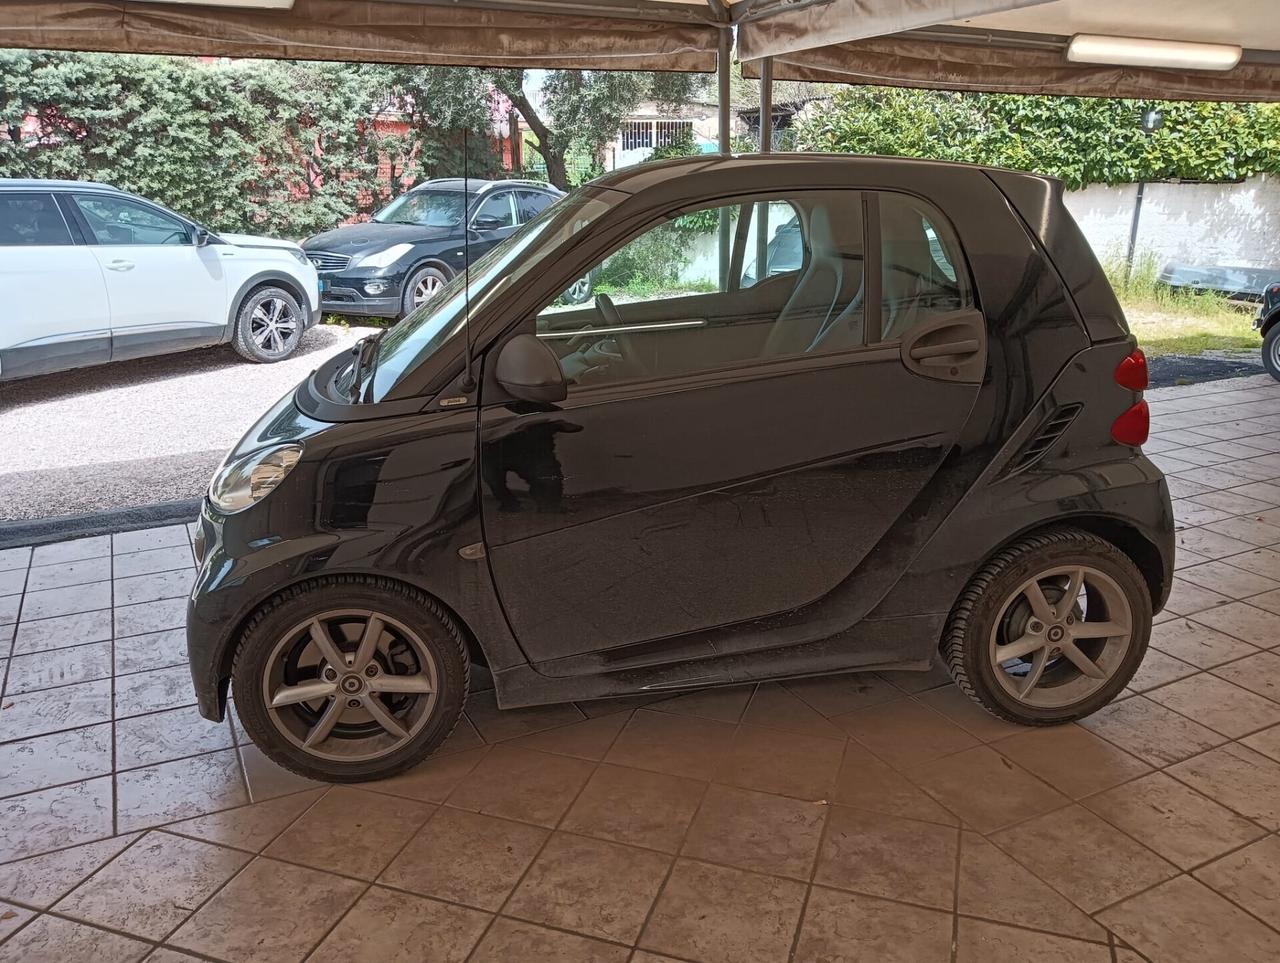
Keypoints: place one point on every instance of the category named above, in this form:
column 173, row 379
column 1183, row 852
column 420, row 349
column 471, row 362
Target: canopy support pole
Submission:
column 723, row 55
column 766, row 147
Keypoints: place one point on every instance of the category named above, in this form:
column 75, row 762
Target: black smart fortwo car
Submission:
column 920, row 440
column 390, row 265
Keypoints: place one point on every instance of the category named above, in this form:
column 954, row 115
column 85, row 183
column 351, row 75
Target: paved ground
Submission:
column 878, row 817
column 137, row 432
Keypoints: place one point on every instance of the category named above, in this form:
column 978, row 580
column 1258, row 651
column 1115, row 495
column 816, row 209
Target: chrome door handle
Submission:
column 120, row 265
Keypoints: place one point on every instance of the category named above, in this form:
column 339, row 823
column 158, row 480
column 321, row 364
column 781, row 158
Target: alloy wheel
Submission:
column 350, row 685
column 425, row 289
column 579, row 290
column 273, row 325
column 1061, row 636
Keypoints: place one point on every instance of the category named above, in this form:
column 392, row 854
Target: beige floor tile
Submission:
column 992, row 885
column 1266, row 742
column 720, row 915
column 888, row 856
column 265, row 779
column 864, row 782
column 635, row 807
column 1183, row 921
column 155, row 884
column 466, row 858
column 49, row 819
column 1086, row 859
column 1249, row 877
column 178, row 790
column 1239, row 778
column 776, row 707
column 12, row 917
column 152, row 560
column 69, row 573
column 981, row 942
column 1072, row 760
column 848, row 928
column 43, row 880
column 721, row 703
column 1245, row 621
column 48, row 939
column 534, row 787
column 150, row 617
column 1269, row 601
column 509, row 941
column 914, row 682
column 156, row 650
column 1259, row 561
column 399, row 928
column 65, row 630
column 789, row 763
column 590, row 739
column 1187, row 599
column 52, row 710
column 984, row 789
column 171, row 734
column 675, row 744
column 433, row 779
column 1218, row 704
column 50, row 603
column 757, row 831
column 1159, row 669
column 351, row 831
column 153, row 587
column 1177, row 822
column 1210, row 542
column 1192, row 642
column 590, row 886
column 833, row 695
column 1228, row 580
column 58, row 667
column 248, row 827
column 153, row 691
column 906, row 733
column 497, row 725
column 1151, row 732
column 1258, row 673
column 271, row 912
column 43, row 761
column 968, row 714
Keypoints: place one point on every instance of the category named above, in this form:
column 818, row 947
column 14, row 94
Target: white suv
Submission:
column 90, row 274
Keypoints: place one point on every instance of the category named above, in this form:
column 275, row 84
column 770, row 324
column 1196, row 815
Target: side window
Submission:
column 684, row 296
column 118, row 220
column 31, row 220
column 923, row 272
column 495, row 212
column 533, row 203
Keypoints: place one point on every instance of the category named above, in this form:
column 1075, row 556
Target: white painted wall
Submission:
column 1196, row 224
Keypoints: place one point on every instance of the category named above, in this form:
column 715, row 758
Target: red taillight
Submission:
column 1133, row 426
column 1131, row 373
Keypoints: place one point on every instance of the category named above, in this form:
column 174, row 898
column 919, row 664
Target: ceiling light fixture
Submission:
column 256, row 4
column 1139, row 52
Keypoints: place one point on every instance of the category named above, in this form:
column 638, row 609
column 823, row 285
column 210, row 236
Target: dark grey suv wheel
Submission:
column 350, row 678
column 1271, row 351
column 269, row 325
column 421, row 287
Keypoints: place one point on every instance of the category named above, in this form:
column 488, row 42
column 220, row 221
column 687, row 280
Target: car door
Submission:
column 729, row 449
column 55, row 312
column 494, row 219
column 166, row 292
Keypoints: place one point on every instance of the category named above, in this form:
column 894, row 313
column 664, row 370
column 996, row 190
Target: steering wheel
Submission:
column 626, row 348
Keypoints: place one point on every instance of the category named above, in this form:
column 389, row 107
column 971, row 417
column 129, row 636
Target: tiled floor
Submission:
column 880, row 818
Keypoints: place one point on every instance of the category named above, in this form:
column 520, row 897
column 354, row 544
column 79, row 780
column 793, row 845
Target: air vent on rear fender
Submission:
column 1046, row 436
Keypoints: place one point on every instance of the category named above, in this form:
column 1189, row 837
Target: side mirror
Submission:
column 203, row 237
column 529, row 370
column 486, row 224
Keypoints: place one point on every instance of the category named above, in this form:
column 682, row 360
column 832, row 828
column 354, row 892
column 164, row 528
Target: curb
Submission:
column 41, row 531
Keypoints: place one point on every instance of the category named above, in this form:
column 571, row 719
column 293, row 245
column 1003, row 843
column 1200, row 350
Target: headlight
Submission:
column 242, row 482
column 385, row 258
column 298, row 255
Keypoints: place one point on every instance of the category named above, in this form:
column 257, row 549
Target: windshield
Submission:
column 425, row 208
column 531, row 249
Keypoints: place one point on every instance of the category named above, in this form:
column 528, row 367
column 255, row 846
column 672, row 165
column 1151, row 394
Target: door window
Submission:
column 922, row 270
column 495, row 212
column 684, row 296
column 533, row 203
column 30, row 220
column 118, row 220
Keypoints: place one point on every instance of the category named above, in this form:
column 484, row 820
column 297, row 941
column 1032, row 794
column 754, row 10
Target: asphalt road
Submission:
column 137, row 432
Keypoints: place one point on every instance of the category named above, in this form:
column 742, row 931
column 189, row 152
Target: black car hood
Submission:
column 372, row 236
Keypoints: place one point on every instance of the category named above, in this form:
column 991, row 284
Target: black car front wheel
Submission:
column 350, row 678
column 1271, row 351
column 1051, row 629
column 421, row 287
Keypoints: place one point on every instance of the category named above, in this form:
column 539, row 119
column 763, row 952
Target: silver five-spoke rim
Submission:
column 1061, row 636
column 273, row 325
column 350, row 685
column 579, row 289
column 425, row 289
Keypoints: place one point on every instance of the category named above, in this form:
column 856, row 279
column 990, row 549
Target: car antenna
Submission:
column 468, row 382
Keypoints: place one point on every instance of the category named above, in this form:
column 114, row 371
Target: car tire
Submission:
column 996, row 617
column 278, row 660
column 580, row 291
column 421, row 285
column 1271, row 351
column 269, row 325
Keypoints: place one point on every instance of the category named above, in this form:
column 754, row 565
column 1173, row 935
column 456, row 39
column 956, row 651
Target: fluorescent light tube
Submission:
column 1139, row 52
column 256, row 4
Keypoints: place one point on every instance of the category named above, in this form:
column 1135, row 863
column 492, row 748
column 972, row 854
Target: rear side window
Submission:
column 31, row 220
column 533, row 203
column 923, row 272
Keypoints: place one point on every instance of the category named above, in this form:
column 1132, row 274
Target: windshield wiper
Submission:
column 366, row 366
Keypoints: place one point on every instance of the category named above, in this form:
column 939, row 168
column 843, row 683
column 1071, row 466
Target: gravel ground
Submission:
column 138, row 432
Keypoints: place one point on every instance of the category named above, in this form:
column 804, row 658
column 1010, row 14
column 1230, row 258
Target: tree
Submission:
column 582, row 110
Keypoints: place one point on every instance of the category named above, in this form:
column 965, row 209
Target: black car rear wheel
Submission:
column 360, row 689
column 1271, row 351
column 1051, row 629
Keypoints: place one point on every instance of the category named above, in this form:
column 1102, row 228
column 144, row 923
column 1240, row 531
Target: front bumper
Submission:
column 345, row 294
